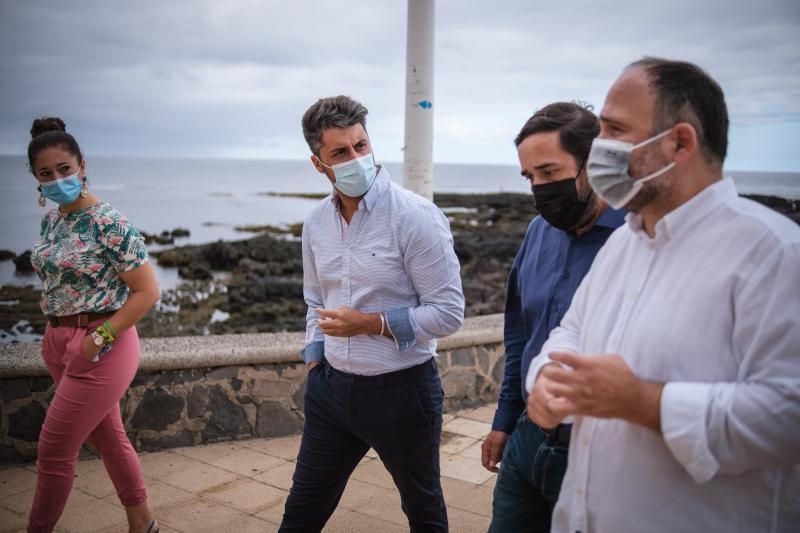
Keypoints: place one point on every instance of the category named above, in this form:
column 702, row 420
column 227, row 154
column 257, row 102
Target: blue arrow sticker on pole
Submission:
column 425, row 104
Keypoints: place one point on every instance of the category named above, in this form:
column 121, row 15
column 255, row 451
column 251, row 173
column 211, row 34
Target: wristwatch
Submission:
column 97, row 339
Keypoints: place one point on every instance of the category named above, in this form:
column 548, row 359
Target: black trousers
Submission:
column 399, row 414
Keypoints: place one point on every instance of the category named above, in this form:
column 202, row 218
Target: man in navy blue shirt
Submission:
column 558, row 250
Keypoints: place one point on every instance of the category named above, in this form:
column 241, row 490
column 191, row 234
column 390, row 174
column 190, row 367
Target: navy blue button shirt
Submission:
column 548, row 268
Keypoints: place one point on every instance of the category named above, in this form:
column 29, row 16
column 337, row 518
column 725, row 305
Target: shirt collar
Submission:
column 689, row 213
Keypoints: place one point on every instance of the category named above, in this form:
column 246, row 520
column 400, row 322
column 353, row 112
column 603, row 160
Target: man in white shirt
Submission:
column 679, row 357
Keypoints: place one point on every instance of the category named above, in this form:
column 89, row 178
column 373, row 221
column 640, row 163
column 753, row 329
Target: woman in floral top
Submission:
column 96, row 284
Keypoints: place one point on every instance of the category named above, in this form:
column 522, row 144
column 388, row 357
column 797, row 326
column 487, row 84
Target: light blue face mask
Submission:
column 354, row 177
column 63, row 191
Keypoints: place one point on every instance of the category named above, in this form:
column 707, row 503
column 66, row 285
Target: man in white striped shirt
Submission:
column 382, row 282
column 679, row 353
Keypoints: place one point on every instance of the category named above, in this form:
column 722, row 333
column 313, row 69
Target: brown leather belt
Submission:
column 77, row 321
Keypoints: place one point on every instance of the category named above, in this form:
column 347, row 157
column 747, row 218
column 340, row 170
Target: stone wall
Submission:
column 193, row 390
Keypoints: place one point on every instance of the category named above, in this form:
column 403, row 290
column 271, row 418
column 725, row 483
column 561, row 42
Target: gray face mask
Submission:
column 607, row 169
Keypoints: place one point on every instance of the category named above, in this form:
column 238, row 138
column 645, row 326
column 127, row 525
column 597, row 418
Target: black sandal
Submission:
column 152, row 525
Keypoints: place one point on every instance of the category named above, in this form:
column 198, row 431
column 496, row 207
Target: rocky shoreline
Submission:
column 255, row 285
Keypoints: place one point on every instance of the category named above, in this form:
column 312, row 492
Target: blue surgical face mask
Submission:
column 62, row 191
column 354, row 177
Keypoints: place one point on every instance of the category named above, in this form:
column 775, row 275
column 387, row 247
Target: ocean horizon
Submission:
column 212, row 197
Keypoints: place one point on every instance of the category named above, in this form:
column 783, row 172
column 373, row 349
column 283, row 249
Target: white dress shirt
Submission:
column 711, row 307
column 395, row 257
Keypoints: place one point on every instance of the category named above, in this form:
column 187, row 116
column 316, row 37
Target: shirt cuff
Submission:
column 533, row 371
column 683, row 425
column 399, row 323
column 314, row 351
column 505, row 421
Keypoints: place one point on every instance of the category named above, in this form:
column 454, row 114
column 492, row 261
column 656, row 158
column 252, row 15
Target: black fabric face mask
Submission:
column 558, row 203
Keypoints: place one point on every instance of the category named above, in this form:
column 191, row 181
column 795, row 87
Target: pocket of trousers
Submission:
column 429, row 398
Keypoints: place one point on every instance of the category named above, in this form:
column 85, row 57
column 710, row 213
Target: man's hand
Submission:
column 492, row 449
column 347, row 322
column 540, row 399
column 602, row 386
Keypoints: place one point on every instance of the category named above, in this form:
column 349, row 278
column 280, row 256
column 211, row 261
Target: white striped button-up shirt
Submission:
column 711, row 307
column 396, row 256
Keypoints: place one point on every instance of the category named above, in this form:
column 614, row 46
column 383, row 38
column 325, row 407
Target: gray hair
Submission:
column 332, row 112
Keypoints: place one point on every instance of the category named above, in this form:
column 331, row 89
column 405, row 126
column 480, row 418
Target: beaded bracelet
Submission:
column 110, row 329
column 105, row 334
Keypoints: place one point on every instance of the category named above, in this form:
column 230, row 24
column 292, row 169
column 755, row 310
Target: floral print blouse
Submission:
column 78, row 256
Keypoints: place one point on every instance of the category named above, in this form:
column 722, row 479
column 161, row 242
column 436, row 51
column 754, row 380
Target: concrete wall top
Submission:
column 172, row 353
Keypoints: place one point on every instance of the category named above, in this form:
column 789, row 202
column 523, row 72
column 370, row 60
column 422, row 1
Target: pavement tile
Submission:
column 160, row 496
column 246, row 495
column 484, row 413
column 466, row 522
column 200, row 514
column 371, row 453
column 478, row 499
column 283, row 447
column 373, row 472
column 199, row 477
column 468, row 428
column 344, row 521
column 490, row 482
column 249, row 524
column 158, row 465
column 16, row 480
column 247, row 462
column 464, row 468
column 385, row 504
column 359, row 493
column 474, row 451
column 21, row 503
column 273, row 514
column 280, row 476
column 207, row 453
column 452, row 443
column 455, row 489
column 10, row 522
column 94, row 481
column 95, row 515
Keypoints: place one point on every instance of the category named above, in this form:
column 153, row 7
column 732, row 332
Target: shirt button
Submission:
column 579, row 492
column 566, row 275
column 585, row 442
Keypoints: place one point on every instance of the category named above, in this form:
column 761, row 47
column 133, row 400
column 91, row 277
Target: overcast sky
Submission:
column 231, row 78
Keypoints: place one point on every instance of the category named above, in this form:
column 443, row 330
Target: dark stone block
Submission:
column 10, row 455
column 178, row 377
column 26, row 423
column 227, row 420
column 183, row 437
column 463, row 357
column 41, row 384
column 498, row 370
column 140, row 379
column 277, row 420
column 197, row 401
column 299, row 397
column 157, row 410
column 225, row 372
column 14, row 389
column 483, row 361
column 443, row 361
column 236, row 384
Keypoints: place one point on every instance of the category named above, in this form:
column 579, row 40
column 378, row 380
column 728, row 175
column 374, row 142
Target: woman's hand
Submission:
column 90, row 349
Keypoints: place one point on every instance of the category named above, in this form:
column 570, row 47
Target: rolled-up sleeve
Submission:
column 431, row 263
column 314, row 348
column 728, row 428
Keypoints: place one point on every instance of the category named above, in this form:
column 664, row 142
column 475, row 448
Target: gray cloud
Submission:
column 209, row 78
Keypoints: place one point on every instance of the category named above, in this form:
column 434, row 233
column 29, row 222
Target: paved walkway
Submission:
column 242, row 486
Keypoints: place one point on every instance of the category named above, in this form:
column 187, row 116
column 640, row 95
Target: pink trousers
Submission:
column 85, row 406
